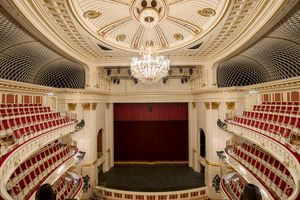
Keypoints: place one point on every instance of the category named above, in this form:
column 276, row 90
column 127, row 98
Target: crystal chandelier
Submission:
column 150, row 67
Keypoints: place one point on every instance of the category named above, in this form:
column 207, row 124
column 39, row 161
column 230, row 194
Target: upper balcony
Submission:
column 26, row 133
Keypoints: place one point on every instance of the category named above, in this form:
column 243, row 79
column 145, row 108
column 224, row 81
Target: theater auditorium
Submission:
column 149, row 99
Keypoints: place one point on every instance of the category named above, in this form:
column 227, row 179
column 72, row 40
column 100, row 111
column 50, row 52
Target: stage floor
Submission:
column 152, row 178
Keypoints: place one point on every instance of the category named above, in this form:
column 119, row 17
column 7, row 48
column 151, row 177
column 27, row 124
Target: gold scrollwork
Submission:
column 215, row 105
column 230, row 105
column 121, row 38
column 91, row 14
column 86, row 106
column 207, row 12
column 178, row 36
column 94, row 105
column 207, row 105
column 72, row 106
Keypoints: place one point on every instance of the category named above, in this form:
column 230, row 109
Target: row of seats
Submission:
column 28, row 132
column 269, row 128
column 273, row 118
column 236, row 188
column 28, row 175
column 266, row 168
column 277, row 109
column 296, row 103
column 271, row 162
column 16, row 105
column 8, row 125
column 33, row 162
column 64, row 187
column 11, row 112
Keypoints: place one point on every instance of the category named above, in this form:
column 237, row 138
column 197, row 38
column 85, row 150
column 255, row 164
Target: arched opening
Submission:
column 99, row 143
column 202, row 143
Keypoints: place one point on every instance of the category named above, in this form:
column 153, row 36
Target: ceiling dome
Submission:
column 128, row 25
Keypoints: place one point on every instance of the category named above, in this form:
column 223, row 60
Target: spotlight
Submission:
column 170, row 72
column 191, row 71
column 114, row 80
column 118, row 70
column 165, row 80
column 135, row 80
column 129, row 72
column 108, row 72
column 180, row 70
column 182, row 80
column 186, row 79
column 118, row 81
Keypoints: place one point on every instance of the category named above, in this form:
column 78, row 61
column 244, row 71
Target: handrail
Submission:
column 224, row 189
column 258, row 180
column 46, row 177
column 201, row 192
column 283, row 153
column 79, row 188
column 18, row 155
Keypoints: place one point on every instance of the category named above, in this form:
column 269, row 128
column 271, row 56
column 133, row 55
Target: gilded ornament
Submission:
column 94, row 105
column 91, row 14
column 215, row 105
column 72, row 106
column 194, row 104
column 230, row 105
column 86, row 106
column 178, row 36
column 207, row 105
column 107, row 105
column 121, row 38
column 207, row 12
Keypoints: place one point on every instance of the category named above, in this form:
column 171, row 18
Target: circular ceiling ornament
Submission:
column 92, row 14
column 121, row 38
column 158, row 21
column 178, row 36
column 207, row 12
column 149, row 17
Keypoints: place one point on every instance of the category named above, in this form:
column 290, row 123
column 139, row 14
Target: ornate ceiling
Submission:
column 114, row 30
column 218, row 37
column 171, row 25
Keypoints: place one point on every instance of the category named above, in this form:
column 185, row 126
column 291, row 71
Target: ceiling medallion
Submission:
column 92, row 14
column 149, row 17
column 178, row 36
column 121, row 38
column 150, row 67
column 207, row 12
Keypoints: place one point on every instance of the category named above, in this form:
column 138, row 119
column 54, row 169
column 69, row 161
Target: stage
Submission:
column 152, row 177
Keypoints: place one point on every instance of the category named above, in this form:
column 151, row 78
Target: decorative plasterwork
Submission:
column 207, row 12
column 107, row 105
column 215, row 105
column 86, row 106
column 62, row 22
column 194, row 104
column 72, row 106
column 207, row 105
column 94, row 105
column 92, row 14
column 230, row 105
column 176, row 17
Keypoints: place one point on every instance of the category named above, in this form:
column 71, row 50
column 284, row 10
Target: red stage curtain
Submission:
column 160, row 112
column 151, row 141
